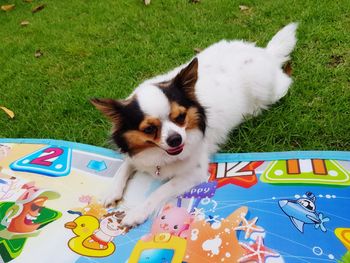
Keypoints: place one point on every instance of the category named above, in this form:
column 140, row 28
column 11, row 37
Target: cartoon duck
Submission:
column 94, row 239
column 110, row 227
column 303, row 211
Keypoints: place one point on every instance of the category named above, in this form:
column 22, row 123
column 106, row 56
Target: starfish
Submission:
column 256, row 252
column 249, row 226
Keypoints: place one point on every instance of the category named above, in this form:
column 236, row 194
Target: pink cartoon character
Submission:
column 173, row 220
column 109, row 228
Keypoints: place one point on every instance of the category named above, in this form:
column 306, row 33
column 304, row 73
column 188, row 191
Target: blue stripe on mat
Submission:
column 221, row 157
column 272, row 156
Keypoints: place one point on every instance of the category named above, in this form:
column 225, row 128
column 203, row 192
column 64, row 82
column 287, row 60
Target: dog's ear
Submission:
column 187, row 78
column 110, row 108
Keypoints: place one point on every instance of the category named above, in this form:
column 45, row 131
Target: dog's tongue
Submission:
column 175, row 151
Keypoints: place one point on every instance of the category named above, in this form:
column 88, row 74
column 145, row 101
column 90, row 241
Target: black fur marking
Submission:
column 202, row 118
column 131, row 117
column 176, row 94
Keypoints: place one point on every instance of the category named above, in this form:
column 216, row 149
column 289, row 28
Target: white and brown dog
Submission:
column 170, row 125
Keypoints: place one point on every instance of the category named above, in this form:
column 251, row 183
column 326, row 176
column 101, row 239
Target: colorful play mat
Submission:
column 258, row 207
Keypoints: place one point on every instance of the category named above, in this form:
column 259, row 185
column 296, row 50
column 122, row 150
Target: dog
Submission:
column 171, row 124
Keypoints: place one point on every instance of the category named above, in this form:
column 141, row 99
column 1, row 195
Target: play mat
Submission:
column 258, row 207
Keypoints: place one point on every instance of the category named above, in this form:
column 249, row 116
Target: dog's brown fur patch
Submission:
column 149, row 121
column 175, row 111
column 193, row 118
column 191, row 121
column 138, row 140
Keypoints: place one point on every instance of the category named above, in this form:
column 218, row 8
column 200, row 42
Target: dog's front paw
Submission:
column 135, row 216
column 112, row 198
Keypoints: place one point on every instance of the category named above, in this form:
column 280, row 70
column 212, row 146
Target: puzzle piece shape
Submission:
column 89, row 162
column 97, row 165
column 52, row 161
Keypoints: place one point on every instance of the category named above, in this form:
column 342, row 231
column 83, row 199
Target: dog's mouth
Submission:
column 176, row 150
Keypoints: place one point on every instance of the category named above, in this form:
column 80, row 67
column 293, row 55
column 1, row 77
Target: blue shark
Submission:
column 303, row 211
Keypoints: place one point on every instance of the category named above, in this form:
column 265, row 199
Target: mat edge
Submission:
column 220, row 157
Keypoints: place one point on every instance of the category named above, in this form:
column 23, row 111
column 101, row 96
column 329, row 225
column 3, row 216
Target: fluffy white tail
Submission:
column 282, row 44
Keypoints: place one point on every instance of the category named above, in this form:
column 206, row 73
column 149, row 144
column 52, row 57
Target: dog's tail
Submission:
column 283, row 43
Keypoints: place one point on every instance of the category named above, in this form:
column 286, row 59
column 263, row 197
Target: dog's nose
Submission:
column 174, row 140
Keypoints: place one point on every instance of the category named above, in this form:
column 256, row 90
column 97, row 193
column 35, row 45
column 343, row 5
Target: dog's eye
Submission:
column 180, row 118
column 150, row 129
column 176, row 227
column 163, row 217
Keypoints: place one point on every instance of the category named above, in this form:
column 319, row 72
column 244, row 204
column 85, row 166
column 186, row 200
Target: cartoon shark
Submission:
column 303, row 211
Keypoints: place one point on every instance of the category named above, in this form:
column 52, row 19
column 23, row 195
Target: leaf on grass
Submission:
column 25, row 23
column 38, row 8
column 7, row 7
column 335, row 60
column 195, row 1
column 8, row 112
column 147, row 2
column 38, row 53
column 244, row 8
column 198, row 50
column 28, row 1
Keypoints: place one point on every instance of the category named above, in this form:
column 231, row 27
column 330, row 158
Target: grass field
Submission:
column 94, row 48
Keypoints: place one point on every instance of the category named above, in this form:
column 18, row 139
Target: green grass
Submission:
column 95, row 48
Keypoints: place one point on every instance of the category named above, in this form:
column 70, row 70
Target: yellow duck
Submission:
column 83, row 227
